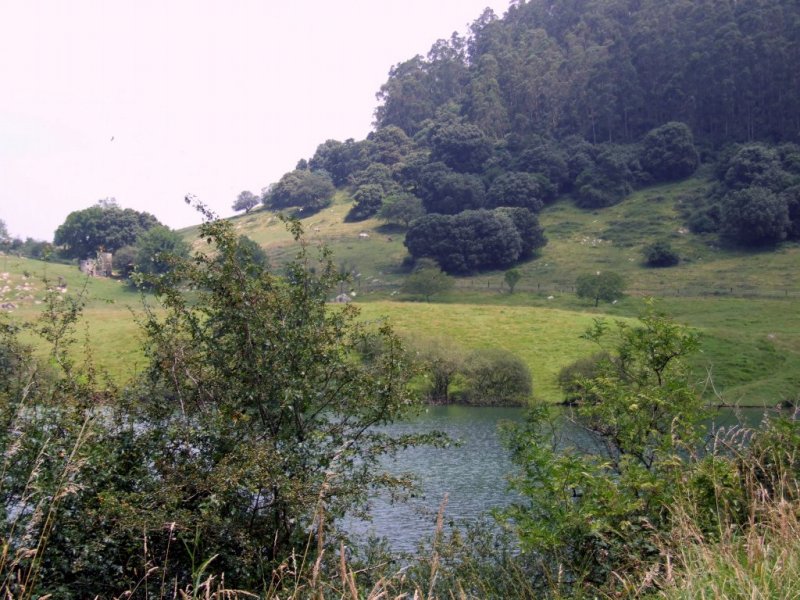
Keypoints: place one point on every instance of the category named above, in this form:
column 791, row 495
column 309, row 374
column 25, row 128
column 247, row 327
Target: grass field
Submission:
column 746, row 305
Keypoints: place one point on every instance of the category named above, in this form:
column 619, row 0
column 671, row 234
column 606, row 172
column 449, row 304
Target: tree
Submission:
column 158, row 250
column 606, row 286
column 339, row 159
column 102, row 227
column 468, row 241
column 660, row 254
column 792, row 198
column 5, row 239
column 512, row 277
column 447, row 192
column 256, row 415
column 388, row 145
column 519, row 189
column 250, row 254
column 401, row 209
column 367, row 201
column 246, row 201
column 752, row 165
column 668, row 152
column 124, row 260
column 754, row 216
column 441, row 360
column 607, row 181
column 548, row 159
column 308, row 190
column 462, row 147
column 527, row 225
column 497, row 377
column 427, row 280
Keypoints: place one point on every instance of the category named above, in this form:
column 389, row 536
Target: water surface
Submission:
column 472, row 472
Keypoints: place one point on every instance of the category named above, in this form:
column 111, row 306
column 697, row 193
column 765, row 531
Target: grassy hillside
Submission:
column 579, row 241
column 751, row 335
column 744, row 302
column 109, row 325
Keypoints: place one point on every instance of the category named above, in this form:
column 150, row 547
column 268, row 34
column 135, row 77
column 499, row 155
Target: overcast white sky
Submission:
column 148, row 100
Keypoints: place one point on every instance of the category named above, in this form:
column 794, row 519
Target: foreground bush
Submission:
column 248, row 435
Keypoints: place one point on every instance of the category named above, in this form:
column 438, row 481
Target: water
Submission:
column 472, row 472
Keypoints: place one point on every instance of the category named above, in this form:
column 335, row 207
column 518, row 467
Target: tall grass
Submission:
column 761, row 560
column 752, row 548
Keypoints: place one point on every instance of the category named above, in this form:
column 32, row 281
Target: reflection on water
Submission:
column 471, row 472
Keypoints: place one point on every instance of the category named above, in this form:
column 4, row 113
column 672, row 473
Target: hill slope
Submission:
column 745, row 303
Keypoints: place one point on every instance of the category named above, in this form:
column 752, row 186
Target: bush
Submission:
column 660, row 254
column 497, row 377
column 441, row 360
column 124, row 260
column 519, row 189
column 607, row 181
column 752, row 165
column 595, row 506
column 572, row 379
column 253, row 427
column 427, row 280
column 157, row 251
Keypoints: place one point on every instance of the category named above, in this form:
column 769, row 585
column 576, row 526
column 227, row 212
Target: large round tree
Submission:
column 103, row 227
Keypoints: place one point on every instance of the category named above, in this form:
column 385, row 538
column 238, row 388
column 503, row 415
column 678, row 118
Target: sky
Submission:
column 147, row 101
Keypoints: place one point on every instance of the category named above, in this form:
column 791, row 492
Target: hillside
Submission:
column 744, row 302
column 578, row 241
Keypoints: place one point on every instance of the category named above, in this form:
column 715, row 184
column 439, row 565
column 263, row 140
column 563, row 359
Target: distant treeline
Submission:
column 611, row 70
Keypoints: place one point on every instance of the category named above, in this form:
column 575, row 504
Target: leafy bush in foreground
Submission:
column 249, row 433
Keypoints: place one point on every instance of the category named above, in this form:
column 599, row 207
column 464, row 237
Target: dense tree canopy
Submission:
column 519, row 189
column 726, row 69
column 101, row 227
column 754, row 216
column 592, row 99
column 448, row 192
column 473, row 239
column 309, row 190
column 668, row 152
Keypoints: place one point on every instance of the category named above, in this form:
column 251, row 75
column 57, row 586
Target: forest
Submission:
column 589, row 99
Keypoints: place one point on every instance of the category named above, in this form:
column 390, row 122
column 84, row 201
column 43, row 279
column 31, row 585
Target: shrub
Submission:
column 441, row 360
column 367, row 201
column 594, row 507
column 660, row 254
column 572, row 378
column 427, row 280
column 309, row 190
column 497, row 377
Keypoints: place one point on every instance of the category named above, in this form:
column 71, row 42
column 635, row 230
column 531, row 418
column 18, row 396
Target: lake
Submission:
column 471, row 472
